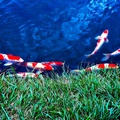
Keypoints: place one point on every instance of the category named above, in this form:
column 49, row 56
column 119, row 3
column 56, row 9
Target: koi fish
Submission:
column 101, row 66
column 108, row 55
column 10, row 59
column 24, row 74
column 53, row 63
column 97, row 67
column 101, row 40
column 38, row 66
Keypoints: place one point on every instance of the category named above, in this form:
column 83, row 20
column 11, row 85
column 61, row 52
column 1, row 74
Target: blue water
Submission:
column 53, row 30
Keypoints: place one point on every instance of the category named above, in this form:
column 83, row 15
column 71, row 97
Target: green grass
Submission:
column 91, row 96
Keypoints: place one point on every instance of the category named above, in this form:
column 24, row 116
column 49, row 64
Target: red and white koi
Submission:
column 38, row 66
column 10, row 59
column 108, row 55
column 53, row 63
column 102, row 66
column 24, row 74
column 101, row 40
column 97, row 67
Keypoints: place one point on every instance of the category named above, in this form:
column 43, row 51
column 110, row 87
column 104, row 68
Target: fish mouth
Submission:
column 106, row 31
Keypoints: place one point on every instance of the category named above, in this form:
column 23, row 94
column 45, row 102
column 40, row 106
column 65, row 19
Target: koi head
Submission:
column 105, row 35
column 105, row 31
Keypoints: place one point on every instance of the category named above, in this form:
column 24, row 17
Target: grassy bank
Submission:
column 91, row 96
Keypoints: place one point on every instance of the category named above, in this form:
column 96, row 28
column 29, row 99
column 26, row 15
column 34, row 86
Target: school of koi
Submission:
column 42, row 67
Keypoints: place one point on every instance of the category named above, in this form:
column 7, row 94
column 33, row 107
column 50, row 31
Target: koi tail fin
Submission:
column 88, row 55
column 21, row 63
column 106, row 57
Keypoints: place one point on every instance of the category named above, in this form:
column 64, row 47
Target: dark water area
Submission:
column 53, row 30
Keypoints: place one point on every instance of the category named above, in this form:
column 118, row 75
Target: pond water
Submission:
column 53, row 30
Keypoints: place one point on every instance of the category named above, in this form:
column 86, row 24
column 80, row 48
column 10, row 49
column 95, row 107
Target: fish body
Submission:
column 96, row 67
column 24, row 74
column 37, row 65
column 101, row 66
column 10, row 59
column 53, row 63
column 100, row 42
column 108, row 55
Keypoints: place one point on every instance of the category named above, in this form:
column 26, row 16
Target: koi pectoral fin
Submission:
column 8, row 64
column 106, row 40
column 98, row 37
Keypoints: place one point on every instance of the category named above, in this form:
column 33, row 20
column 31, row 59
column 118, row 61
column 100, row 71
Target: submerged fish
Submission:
column 10, row 59
column 97, row 67
column 24, row 74
column 101, row 40
column 102, row 66
column 38, row 66
column 53, row 63
column 108, row 55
